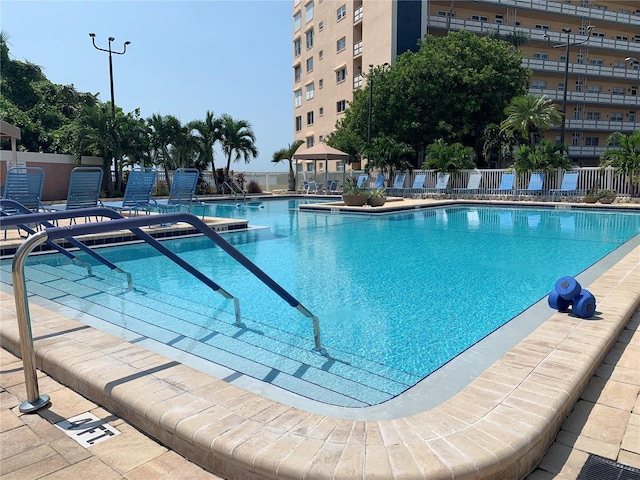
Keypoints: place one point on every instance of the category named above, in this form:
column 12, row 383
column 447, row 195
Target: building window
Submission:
column 632, row 116
column 596, row 61
column 591, row 141
column 297, row 73
column 341, row 44
column 479, row 18
column 542, row 27
column 597, row 34
column 499, row 19
column 297, row 47
column 308, row 12
column 321, row 83
column 340, row 106
column 538, row 84
column 540, row 56
column 310, row 118
column 310, row 64
column 342, row 12
column 517, row 23
column 309, row 145
column 594, row 89
column 321, row 26
column 321, row 54
column 298, row 123
column 309, row 38
column 622, row 37
column 341, row 75
column 616, row 117
column 636, row 38
column 321, row 111
column 443, row 13
column 618, row 91
column 593, row 115
column 310, row 91
column 297, row 98
column 297, row 20
column 578, row 85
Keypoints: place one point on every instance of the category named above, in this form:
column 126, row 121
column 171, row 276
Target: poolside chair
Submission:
column 362, row 180
column 379, row 183
column 535, row 186
column 569, row 187
column 398, row 184
column 23, row 185
column 332, row 187
column 183, row 190
column 506, row 185
column 312, row 186
column 138, row 192
column 473, row 185
column 417, row 186
column 84, row 189
column 442, row 184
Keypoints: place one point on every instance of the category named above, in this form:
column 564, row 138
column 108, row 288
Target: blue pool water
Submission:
column 397, row 296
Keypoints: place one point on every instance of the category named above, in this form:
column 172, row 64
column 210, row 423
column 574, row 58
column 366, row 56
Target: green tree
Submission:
column 387, row 155
column 445, row 157
column 544, row 156
column 165, row 132
column 286, row 155
column 237, row 140
column 624, row 155
column 207, row 133
column 528, row 117
column 498, row 145
column 451, row 88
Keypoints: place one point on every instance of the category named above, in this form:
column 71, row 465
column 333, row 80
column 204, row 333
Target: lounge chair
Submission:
column 535, row 186
column 379, row 183
column 569, row 187
column 312, row 186
column 24, row 186
column 362, row 180
column 332, row 187
column 506, row 185
column 138, row 194
column 398, row 184
column 183, row 190
column 418, row 185
column 473, row 186
column 442, row 184
column 84, row 189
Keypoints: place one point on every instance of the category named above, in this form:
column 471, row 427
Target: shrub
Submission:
column 253, row 187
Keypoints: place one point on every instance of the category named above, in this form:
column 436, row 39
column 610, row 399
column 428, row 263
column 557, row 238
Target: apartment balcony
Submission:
column 357, row 49
column 581, row 69
column 585, row 152
column 594, row 14
column 601, row 125
column 607, row 99
column 535, row 34
column 358, row 14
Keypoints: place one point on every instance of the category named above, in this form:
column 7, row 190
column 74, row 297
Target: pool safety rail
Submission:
column 235, row 189
column 36, row 401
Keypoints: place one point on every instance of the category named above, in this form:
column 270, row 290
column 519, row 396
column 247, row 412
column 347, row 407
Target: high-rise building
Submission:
column 584, row 54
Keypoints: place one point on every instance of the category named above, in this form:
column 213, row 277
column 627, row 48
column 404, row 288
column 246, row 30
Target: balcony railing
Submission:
column 594, row 14
column 584, row 152
column 535, row 34
column 581, row 69
column 358, row 14
column 631, row 101
column 602, row 125
column 357, row 48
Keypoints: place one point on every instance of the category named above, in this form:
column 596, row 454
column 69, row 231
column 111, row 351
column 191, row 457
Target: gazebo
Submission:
column 320, row 152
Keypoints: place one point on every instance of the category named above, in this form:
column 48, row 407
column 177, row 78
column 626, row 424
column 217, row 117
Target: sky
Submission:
column 185, row 58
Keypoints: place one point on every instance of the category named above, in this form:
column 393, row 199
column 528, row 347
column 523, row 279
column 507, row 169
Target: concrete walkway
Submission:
column 605, row 421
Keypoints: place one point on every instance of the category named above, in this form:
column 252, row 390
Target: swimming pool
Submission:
column 397, row 296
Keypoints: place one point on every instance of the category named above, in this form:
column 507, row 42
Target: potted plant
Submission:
column 377, row 197
column 591, row 196
column 354, row 195
column 607, row 196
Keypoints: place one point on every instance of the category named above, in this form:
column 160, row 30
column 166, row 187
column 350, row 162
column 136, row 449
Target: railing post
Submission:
column 35, row 401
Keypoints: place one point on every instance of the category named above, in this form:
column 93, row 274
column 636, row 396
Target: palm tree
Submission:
column 387, row 155
column 624, row 155
column 207, row 134
column 529, row 116
column 236, row 137
column 286, row 154
column 165, row 131
column 93, row 137
column 544, row 156
column 448, row 158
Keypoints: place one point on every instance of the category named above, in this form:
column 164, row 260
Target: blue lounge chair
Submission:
column 84, row 189
column 569, row 187
column 441, row 187
column 138, row 194
column 398, row 184
column 362, row 180
column 506, row 185
column 183, row 190
column 417, row 186
column 473, row 185
column 379, row 183
column 535, row 186
column 24, row 186
column 332, row 187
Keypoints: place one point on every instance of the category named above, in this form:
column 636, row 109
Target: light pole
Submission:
column 568, row 45
column 113, row 102
column 370, row 77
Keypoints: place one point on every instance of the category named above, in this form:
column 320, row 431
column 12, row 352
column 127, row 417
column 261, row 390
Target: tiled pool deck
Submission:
column 499, row 426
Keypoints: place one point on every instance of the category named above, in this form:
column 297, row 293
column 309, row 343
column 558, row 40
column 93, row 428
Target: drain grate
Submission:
column 599, row 468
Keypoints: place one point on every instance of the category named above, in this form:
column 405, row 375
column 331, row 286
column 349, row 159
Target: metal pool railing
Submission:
column 36, row 401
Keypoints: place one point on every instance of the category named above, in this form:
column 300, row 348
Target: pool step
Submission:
column 285, row 360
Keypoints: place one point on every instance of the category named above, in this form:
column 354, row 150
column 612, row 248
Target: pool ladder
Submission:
column 36, row 401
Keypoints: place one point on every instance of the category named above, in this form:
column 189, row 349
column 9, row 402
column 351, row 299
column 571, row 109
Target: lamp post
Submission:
column 370, row 77
column 567, row 46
